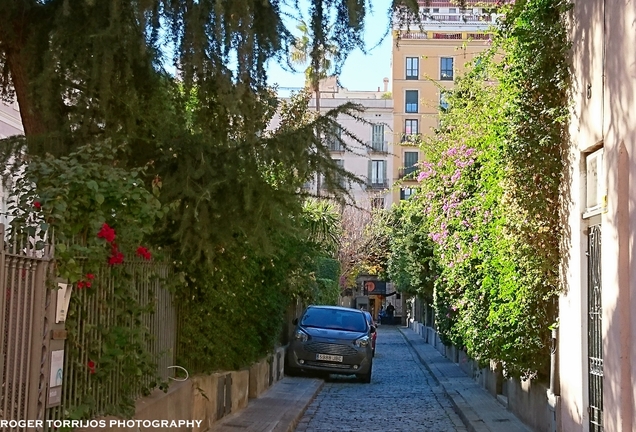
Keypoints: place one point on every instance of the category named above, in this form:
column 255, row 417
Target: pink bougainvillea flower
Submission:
column 37, row 204
column 107, row 233
column 143, row 252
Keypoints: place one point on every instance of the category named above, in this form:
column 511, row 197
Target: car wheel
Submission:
column 365, row 378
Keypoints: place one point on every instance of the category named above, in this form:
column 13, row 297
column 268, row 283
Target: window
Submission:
column 340, row 178
column 377, row 203
column 410, row 162
column 334, row 137
column 377, row 173
column 406, row 193
column 452, row 10
column 443, row 103
column 446, row 69
column 411, row 101
column 596, row 198
column 435, row 10
column 377, row 138
column 411, row 127
column 412, row 68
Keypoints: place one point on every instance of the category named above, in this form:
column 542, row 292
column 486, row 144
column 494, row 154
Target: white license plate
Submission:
column 327, row 357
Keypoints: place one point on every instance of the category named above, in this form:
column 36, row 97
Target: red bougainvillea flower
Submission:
column 37, row 204
column 90, row 276
column 143, row 252
column 91, row 366
column 107, row 233
column 81, row 284
column 89, row 284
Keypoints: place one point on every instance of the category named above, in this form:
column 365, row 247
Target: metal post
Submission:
column 554, row 365
column 3, row 305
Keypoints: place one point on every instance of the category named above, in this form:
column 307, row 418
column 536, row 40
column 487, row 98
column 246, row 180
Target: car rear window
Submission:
column 334, row 319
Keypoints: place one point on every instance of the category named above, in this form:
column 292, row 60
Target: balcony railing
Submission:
column 378, row 147
column 336, row 147
column 411, row 138
column 377, row 183
column 413, row 35
column 457, row 18
column 407, row 173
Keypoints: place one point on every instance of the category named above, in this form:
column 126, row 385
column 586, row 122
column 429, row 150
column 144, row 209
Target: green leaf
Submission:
column 99, row 198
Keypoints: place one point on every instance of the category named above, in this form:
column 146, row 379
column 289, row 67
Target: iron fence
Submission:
column 28, row 322
column 93, row 313
column 23, row 271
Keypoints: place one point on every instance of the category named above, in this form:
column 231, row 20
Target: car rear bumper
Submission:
column 300, row 358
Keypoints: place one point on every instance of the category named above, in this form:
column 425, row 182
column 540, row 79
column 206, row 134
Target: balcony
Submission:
column 413, row 139
column 378, row 147
column 377, row 184
column 460, row 18
column 336, row 147
column 408, row 173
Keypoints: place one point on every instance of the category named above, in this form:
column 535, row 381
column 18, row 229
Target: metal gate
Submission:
column 23, row 294
column 594, row 329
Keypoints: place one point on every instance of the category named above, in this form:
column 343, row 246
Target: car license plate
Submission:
column 327, row 357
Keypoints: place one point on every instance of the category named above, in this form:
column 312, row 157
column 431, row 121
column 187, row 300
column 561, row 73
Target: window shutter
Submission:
column 370, row 172
column 384, row 179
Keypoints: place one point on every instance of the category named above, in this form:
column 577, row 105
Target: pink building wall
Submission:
column 603, row 116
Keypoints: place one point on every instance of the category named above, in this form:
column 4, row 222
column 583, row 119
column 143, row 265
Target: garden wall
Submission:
column 206, row 398
column 528, row 400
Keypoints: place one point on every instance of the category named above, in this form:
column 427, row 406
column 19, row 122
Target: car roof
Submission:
column 334, row 307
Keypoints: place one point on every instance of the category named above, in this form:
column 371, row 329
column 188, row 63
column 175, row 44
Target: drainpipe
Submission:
column 554, row 365
column 554, row 392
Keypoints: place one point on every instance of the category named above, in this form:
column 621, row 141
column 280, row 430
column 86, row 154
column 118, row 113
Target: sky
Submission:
column 360, row 71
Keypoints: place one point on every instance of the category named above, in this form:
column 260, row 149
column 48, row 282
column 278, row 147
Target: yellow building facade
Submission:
column 425, row 61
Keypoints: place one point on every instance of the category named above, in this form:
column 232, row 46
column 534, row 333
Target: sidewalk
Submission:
column 477, row 408
column 277, row 410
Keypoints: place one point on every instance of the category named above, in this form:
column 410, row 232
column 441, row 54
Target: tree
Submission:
column 301, row 54
column 93, row 71
column 352, row 250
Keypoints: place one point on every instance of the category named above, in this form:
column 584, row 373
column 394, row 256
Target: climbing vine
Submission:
column 99, row 217
column 489, row 192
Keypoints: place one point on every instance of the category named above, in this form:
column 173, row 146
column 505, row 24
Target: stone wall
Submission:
column 528, row 400
column 206, row 398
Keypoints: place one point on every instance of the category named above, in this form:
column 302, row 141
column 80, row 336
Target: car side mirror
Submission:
column 372, row 329
column 295, row 321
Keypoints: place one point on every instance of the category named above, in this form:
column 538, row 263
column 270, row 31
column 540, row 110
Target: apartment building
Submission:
column 597, row 324
column 371, row 162
column 426, row 60
column 10, row 125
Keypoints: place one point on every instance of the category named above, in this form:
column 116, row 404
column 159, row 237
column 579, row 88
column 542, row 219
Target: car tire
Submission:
column 365, row 378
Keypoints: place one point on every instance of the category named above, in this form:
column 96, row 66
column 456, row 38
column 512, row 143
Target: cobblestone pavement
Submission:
column 402, row 396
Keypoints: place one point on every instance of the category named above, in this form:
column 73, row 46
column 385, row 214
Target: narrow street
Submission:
column 402, row 396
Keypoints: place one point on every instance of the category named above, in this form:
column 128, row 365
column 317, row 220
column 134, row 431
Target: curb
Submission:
column 277, row 412
column 462, row 413
column 291, row 427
